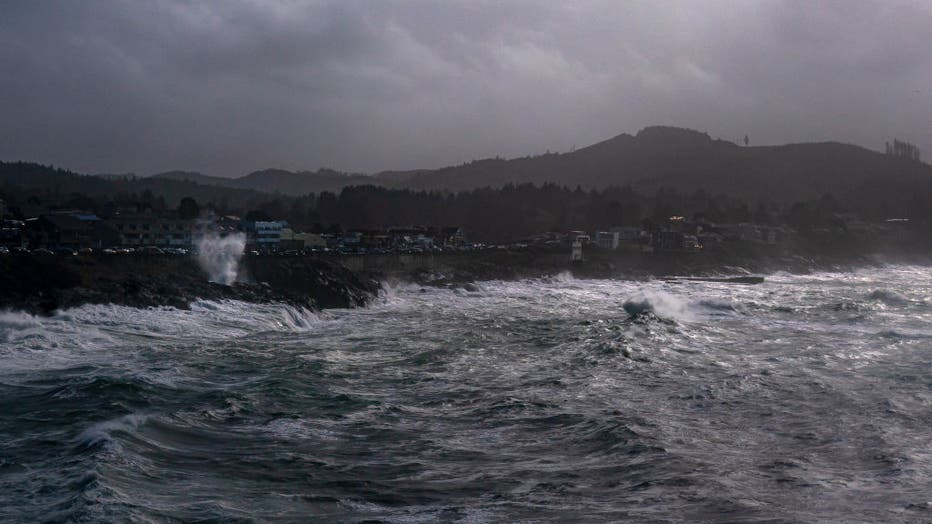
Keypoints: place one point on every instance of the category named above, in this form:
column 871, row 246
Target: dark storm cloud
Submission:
column 228, row 87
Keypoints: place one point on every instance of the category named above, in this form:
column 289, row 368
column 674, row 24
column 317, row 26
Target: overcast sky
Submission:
column 231, row 86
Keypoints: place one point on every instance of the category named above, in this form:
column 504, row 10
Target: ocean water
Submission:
column 803, row 399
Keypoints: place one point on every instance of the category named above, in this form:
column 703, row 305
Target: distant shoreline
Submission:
column 453, row 269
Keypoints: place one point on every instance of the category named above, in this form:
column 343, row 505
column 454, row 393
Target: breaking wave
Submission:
column 662, row 304
column 101, row 432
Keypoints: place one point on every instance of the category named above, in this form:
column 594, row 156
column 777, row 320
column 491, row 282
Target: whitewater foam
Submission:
column 530, row 400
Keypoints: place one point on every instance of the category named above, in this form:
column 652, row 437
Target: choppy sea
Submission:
column 802, row 399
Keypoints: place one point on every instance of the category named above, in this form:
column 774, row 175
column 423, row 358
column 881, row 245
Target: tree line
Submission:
column 903, row 150
column 509, row 213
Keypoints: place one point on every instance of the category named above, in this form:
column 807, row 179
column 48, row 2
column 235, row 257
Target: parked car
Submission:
column 4, row 250
column 42, row 251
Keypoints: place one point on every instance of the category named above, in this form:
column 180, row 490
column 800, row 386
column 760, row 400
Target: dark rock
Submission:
column 42, row 285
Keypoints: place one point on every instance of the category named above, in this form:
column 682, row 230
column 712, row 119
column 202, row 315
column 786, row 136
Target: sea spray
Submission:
column 219, row 256
column 660, row 303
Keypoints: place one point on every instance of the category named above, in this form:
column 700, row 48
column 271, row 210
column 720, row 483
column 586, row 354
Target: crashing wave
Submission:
column 888, row 297
column 658, row 304
column 638, row 307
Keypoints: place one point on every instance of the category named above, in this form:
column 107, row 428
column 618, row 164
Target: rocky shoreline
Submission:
column 43, row 284
column 458, row 270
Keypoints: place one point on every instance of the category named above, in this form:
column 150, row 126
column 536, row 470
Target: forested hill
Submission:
column 24, row 179
column 690, row 160
column 278, row 180
column 656, row 157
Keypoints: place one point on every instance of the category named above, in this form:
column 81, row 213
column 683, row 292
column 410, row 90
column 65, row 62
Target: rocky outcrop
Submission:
column 42, row 284
column 329, row 284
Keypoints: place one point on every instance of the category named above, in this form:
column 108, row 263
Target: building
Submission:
column 311, row 240
column 288, row 241
column 667, row 240
column 631, row 237
column 607, row 239
column 141, row 230
column 292, row 240
column 264, row 235
column 675, row 241
column 453, row 237
column 13, row 233
column 71, row 231
column 227, row 224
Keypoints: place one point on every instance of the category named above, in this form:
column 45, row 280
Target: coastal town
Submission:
column 72, row 232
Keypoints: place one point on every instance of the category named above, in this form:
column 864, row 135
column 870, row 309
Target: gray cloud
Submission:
column 228, row 87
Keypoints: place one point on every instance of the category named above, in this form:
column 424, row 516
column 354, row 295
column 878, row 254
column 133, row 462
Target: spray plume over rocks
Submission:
column 219, row 256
